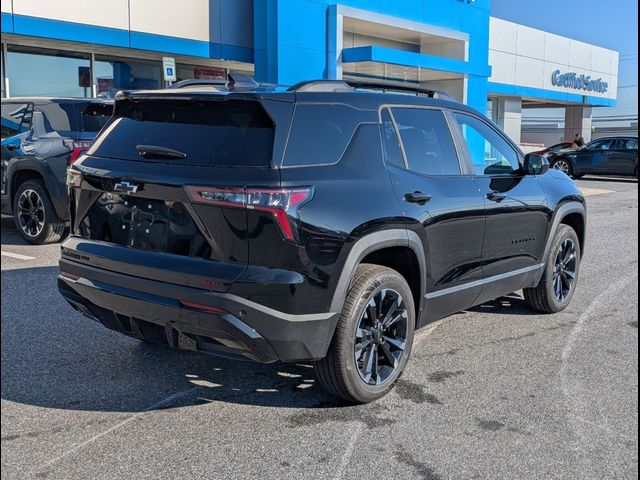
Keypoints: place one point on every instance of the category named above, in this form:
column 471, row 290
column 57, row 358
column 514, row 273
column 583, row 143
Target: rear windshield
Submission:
column 232, row 133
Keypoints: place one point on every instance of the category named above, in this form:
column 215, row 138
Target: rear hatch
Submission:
column 163, row 191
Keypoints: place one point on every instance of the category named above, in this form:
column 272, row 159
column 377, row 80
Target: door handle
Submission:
column 496, row 196
column 417, row 197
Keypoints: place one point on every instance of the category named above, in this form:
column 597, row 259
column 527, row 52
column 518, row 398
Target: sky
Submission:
column 610, row 24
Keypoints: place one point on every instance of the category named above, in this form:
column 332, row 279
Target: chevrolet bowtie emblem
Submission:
column 125, row 187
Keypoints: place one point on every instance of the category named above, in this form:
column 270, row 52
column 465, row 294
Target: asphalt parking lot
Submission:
column 497, row 392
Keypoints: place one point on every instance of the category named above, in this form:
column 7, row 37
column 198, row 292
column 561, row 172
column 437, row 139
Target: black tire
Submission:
column 339, row 373
column 544, row 297
column 564, row 162
column 47, row 227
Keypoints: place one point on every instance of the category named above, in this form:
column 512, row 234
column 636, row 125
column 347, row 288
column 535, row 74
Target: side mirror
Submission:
column 535, row 164
column 38, row 127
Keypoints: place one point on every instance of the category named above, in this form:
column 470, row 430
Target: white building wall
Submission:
column 527, row 57
column 229, row 22
column 161, row 17
column 112, row 14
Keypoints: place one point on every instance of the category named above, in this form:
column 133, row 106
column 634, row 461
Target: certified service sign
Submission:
column 578, row 82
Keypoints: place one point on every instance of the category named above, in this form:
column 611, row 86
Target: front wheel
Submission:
column 557, row 286
column 373, row 338
column 563, row 165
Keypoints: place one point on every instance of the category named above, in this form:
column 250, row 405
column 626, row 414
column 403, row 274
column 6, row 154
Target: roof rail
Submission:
column 236, row 80
column 318, row 86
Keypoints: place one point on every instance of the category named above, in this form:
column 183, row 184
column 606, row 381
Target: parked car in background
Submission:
column 604, row 156
column 323, row 223
column 555, row 150
column 41, row 137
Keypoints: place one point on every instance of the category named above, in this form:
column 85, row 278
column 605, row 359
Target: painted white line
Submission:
column 161, row 403
column 356, row 430
column 348, row 453
column 15, row 255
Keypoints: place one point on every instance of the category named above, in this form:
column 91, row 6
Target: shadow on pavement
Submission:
column 513, row 304
column 54, row 357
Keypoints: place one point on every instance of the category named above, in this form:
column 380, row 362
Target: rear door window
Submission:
column 625, row 144
column 232, row 133
column 427, row 141
column 392, row 151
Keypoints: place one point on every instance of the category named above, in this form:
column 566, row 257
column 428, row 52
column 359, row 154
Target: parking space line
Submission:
column 162, row 403
column 16, row 255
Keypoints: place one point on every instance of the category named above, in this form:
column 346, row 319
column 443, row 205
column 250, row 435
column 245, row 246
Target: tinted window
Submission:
column 95, row 116
column 625, row 144
column 320, row 134
column 392, row 151
column 233, row 133
column 599, row 145
column 490, row 153
column 16, row 118
column 427, row 141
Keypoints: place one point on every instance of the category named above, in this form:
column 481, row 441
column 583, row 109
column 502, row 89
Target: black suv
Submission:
column 323, row 223
column 40, row 138
column 605, row 156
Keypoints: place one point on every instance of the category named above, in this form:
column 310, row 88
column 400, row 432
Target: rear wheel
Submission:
column 34, row 215
column 563, row 165
column 373, row 338
column 557, row 286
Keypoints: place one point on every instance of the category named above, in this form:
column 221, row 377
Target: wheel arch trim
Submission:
column 369, row 244
column 28, row 165
column 564, row 210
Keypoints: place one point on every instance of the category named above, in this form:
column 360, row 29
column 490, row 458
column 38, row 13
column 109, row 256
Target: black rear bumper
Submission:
column 152, row 311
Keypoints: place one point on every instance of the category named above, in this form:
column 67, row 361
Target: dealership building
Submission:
column 91, row 48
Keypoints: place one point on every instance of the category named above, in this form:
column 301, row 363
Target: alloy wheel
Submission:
column 563, row 166
column 381, row 337
column 564, row 270
column 31, row 214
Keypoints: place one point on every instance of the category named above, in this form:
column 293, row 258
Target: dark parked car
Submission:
column 605, row 156
column 323, row 223
column 41, row 137
column 553, row 151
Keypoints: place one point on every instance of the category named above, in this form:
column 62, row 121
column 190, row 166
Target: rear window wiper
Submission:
column 156, row 151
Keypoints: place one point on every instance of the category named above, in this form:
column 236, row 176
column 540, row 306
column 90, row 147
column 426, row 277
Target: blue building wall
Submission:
column 291, row 39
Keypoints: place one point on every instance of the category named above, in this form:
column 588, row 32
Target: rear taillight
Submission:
column 283, row 204
column 77, row 147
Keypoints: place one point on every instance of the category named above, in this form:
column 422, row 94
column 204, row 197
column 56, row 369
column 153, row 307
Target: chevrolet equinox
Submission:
column 322, row 223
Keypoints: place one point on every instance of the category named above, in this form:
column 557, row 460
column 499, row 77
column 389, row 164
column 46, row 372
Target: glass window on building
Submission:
column 116, row 73
column 67, row 74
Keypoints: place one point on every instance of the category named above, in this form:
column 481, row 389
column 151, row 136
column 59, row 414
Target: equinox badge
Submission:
column 126, row 187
